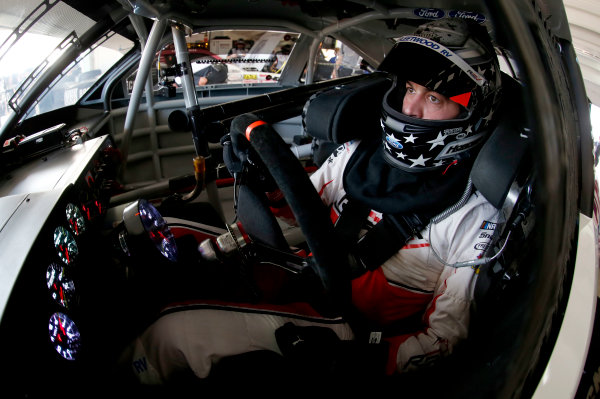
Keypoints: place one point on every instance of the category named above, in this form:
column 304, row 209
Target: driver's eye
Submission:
column 434, row 99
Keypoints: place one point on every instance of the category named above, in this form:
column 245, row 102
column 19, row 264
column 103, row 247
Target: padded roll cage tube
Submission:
column 329, row 258
column 272, row 107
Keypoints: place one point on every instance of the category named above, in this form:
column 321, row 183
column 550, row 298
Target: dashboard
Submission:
column 81, row 278
column 60, row 286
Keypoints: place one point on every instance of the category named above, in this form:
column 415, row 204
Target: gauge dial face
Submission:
column 75, row 219
column 92, row 209
column 65, row 245
column 61, row 287
column 64, row 335
column 158, row 230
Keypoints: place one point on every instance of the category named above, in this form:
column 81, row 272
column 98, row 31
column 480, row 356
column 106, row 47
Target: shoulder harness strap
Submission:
column 381, row 242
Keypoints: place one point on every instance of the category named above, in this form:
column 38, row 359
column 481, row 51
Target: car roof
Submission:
column 338, row 18
column 368, row 27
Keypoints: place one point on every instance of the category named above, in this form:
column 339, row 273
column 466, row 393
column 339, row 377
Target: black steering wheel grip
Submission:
column 329, row 259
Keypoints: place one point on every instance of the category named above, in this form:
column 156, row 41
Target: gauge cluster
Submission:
column 55, row 301
column 83, row 284
column 68, row 282
column 73, row 269
column 63, row 331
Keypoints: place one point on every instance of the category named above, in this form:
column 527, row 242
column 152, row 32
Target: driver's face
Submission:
column 420, row 102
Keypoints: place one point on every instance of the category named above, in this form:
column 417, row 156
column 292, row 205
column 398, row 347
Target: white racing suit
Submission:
column 412, row 281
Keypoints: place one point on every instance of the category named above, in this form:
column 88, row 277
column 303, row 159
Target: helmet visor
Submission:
column 434, row 66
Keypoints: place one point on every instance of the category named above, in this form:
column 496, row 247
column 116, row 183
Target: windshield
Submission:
column 225, row 57
column 35, row 39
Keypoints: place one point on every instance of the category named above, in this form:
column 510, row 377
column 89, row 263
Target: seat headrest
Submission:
column 497, row 164
column 346, row 112
column 504, row 153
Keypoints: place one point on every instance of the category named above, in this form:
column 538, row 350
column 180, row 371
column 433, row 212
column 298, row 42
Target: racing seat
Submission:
column 505, row 174
column 344, row 113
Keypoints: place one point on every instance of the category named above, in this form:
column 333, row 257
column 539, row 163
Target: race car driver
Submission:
column 435, row 117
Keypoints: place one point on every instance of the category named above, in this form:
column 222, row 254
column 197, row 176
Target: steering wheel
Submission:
column 329, row 259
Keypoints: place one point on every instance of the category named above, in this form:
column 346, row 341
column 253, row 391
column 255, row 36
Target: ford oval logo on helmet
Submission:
column 479, row 18
column 393, row 142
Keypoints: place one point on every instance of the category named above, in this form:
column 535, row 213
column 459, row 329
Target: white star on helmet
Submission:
column 419, row 161
column 439, row 140
column 410, row 139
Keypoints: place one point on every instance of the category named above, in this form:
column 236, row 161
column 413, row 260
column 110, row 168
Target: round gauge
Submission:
column 65, row 336
column 158, row 230
column 75, row 219
column 62, row 288
column 142, row 219
column 92, row 209
column 65, row 245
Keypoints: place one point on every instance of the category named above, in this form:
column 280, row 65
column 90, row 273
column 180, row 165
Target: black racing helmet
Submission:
column 455, row 58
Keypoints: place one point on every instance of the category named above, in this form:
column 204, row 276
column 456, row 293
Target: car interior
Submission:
column 122, row 290
column 127, row 204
